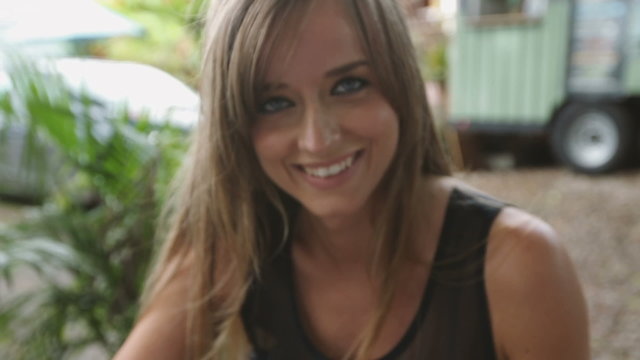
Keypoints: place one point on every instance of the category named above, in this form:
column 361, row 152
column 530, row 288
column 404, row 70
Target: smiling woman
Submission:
column 317, row 218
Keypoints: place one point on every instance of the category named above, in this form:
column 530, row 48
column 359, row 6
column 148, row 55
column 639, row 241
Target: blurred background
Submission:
column 536, row 100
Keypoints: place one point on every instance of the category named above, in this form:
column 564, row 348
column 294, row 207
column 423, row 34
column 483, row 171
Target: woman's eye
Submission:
column 274, row 105
column 348, row 86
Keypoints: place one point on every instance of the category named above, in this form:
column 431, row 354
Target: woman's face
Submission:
column 324, row 133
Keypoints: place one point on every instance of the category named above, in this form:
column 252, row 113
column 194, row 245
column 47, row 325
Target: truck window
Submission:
column 481, row 8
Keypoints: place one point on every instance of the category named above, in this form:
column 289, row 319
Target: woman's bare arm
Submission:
column 538, row 310
column 161, row 331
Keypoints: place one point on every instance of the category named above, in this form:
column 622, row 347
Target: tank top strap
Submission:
column 456, row 323
column 461, row 252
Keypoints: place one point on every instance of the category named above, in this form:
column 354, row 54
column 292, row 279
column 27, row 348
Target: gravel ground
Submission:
column 599, row 220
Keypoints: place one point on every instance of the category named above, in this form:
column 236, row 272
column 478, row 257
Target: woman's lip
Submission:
column 327, row 163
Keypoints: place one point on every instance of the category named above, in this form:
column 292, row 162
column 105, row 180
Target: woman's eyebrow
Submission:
column 268, row 87
column 346, row 68
column 342, row 69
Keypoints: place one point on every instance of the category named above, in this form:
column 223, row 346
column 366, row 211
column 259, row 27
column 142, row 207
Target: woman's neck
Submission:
column 345, row 241
column 350, row 240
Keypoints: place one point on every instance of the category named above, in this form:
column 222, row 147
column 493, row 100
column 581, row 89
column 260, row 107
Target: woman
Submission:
column 317, row 218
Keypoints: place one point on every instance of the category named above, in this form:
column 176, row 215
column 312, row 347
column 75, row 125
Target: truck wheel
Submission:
column 593, row 138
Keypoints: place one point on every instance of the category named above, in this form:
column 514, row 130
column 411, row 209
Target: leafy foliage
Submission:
column 172, row 35
column 433, row 62
column 90, row 241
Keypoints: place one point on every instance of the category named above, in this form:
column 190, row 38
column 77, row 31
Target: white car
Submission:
column 140, row 90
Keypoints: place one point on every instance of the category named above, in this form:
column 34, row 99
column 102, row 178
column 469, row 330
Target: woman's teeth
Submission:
column 324, row 172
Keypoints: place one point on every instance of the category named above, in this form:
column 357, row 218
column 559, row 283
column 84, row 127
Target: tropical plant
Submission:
column 90, row 240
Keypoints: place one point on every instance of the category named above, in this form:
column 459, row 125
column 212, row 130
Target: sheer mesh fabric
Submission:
column 452, row 322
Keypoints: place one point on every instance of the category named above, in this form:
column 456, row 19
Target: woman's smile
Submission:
column 330, row 174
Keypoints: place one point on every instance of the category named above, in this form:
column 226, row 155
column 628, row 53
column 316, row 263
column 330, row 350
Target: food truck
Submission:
column 569, row 69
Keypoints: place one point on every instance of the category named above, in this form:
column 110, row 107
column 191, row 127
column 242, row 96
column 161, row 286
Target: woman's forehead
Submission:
column 325, row 37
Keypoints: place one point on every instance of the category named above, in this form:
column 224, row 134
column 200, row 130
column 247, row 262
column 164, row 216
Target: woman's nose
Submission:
column 320, row 130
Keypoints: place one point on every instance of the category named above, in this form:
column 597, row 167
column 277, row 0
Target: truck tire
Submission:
column 593, row 138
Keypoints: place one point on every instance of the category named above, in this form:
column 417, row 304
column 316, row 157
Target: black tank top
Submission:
column 452, row 322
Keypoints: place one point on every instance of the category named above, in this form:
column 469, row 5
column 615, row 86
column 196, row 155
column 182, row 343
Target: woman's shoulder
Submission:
column 516, row 238
column 536, row 303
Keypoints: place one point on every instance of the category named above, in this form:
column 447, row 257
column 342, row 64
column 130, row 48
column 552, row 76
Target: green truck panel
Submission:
column 631, row 72
column 512, row 72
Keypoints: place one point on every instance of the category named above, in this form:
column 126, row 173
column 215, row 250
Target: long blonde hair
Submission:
column 226, row 216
